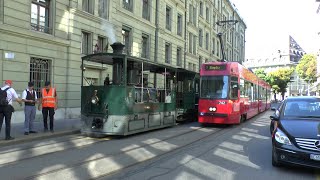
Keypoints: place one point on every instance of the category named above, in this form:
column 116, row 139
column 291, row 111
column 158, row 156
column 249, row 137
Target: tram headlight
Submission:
column 212, row 109
column 94, row 100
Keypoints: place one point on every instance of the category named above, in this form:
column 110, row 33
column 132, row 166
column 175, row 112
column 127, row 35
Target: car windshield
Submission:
column 302, row 108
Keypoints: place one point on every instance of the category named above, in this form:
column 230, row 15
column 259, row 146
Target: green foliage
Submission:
column 261, row 73
column 307, row 68
column 279, row 80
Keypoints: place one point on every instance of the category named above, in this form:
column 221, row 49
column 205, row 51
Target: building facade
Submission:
column 287, row 56
column 44, row 40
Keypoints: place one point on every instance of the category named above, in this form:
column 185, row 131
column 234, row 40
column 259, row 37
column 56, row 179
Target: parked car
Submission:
column 296, row 132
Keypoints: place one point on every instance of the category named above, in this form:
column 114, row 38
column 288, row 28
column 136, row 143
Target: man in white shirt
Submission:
column 7, row 110
column 29, row 97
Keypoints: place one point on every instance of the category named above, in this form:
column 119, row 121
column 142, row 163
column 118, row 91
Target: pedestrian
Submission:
column 7, row 95
column 29, row 96
column 49, row 103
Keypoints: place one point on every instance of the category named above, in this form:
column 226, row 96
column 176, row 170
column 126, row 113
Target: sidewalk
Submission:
column 61, row 127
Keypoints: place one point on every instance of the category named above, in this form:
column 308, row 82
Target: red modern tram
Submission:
column 230, row 93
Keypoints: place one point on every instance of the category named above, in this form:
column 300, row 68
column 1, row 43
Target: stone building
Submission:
column 43, row 40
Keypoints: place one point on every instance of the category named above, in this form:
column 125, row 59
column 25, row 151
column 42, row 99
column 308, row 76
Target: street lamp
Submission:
column 221, row 23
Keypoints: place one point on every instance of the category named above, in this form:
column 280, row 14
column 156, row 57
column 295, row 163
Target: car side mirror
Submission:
column 274, row 118
column 273, row 108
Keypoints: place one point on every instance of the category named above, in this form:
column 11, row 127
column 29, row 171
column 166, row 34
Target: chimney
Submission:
column 117, row 47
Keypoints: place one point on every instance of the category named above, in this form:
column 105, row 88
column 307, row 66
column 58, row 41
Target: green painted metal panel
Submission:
column 119, row 100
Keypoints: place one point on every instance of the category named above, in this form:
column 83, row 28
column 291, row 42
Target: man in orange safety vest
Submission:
column 49, row 103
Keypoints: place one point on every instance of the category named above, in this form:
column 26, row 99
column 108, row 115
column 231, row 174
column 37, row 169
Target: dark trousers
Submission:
column 6, row 112
column 45, row 112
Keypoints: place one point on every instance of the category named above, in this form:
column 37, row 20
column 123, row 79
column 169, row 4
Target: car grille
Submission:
column 308, row 144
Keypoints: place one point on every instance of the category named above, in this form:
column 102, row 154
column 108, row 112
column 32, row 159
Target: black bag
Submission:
column 3, row 97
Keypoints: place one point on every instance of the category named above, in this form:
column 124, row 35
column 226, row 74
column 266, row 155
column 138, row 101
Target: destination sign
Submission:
column 211, row 67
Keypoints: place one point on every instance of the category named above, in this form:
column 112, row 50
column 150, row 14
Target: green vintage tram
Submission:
column 140, row 95
column 187, row 95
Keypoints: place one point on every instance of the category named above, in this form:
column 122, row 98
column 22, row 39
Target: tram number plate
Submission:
column 315, row 157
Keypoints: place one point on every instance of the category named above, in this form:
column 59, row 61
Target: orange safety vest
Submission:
column 48, row 99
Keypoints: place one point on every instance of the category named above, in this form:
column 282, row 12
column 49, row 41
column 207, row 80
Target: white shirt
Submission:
column 11, row 94
column 24, row 94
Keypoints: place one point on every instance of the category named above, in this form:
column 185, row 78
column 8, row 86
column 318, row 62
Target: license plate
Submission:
column 315, row 157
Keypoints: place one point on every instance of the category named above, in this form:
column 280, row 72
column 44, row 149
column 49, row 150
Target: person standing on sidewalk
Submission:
column 49, row 103
column 29, row 96
column 7, row 95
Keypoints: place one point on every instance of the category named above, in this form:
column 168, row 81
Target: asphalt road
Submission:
column 236, row 153
column 186, row 151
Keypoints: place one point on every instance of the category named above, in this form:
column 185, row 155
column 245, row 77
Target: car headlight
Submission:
column 280, row 137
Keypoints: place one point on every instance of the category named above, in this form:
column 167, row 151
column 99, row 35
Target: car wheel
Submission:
column 275, row 161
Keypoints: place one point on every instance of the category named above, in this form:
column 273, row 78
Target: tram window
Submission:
column 234, row 86
column 214, row 86
column 242, row 88
column 197, row 87
column 168, row 97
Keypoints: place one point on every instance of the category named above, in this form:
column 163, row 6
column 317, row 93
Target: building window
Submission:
column 126, row 37
column 40, row 72
column 168, row 53
column 207, row 41
column 179, row 57
column 101, row 45
column 145, row 46
column 146, row 9
column 194, row 67
column 190, row 42
column 86, row 43
column 213, row 46
column 1, row 10
column 190, row 13
column 206, row 60
column 168, row 18
column 103, row 9
column 218, row 49
column 207, row 13
column 195, row 16
column 40, row 16
column 200, row 37
column 128, row 5
column 200, row 61
column 87, row 5
column 179, row 24
column 190, row 66
column 194, row 44
column 201, row 9
column 214, row 20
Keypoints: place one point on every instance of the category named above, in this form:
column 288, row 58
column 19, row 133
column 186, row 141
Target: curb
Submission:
column 38, row 137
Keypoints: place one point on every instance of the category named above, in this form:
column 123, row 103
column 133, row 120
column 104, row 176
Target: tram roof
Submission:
column 108, row 58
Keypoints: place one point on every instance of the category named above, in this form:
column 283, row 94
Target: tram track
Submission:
column 8, row 156
column 75, row 165
column 47, row 149
column 168, row 155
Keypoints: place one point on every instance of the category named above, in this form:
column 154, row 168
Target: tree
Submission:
column 261, row 73
column 307, row 68
column 279, row 80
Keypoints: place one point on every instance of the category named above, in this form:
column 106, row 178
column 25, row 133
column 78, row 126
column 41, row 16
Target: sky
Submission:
column 270, row 22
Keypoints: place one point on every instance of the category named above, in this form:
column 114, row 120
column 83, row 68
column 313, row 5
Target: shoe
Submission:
column 9, row 138
column 33, row 132
column 26, row 133
column 52, row 131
